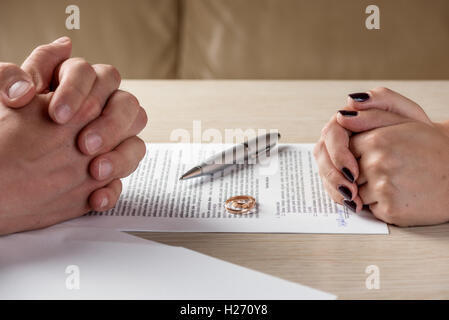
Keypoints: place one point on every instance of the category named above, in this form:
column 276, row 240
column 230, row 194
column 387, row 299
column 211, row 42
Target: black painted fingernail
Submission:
column 351, row 205
column 359, row 96
column 345, row 192
column 348, row 174
column 348, row 113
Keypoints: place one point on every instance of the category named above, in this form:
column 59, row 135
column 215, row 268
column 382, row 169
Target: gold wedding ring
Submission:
column 240, row 204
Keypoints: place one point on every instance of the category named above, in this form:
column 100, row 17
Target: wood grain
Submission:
column 413, row 262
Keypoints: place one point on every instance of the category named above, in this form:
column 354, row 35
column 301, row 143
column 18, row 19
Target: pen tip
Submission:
column 192, row 173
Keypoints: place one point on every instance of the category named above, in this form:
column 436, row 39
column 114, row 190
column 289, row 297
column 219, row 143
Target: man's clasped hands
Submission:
column 68, row 135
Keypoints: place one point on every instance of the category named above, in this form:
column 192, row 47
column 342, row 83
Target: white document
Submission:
column 288, row 190
column 90, row 263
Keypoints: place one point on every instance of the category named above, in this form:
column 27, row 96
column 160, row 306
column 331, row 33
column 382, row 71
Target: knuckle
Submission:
column 332, row 176
column 380, row 91
column 325, row 130
column 379, row 159
column 390, row 162
column 75, row 89
column 336, row 198
column 384, row 187
column 333, row 194
column 6, row 68
column 93, row 103
column 83, row 66
column 145, row 117
column 116, row 189
column 377, row 140
column 389, row 212
column 139, row 122
column 129, row 160
column 129, row 100
column 42, row 49
column 142, row 149
column 126, row 106
column 317, row 149
column 377, row 164
column 91, row 109
column 112, row 126
column 126, row 165
column 356, row 141
column 343, row 158
column 108, row 71
column 113, row 72
column 385, row 161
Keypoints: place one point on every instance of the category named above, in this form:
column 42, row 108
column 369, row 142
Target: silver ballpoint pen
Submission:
column 239, row 154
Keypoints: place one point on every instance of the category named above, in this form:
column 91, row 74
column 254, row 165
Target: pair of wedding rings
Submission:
column 240, row 204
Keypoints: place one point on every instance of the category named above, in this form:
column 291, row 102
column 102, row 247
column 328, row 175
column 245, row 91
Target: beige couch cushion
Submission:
column 139, row 36
column 298, row 39
column 319, row 39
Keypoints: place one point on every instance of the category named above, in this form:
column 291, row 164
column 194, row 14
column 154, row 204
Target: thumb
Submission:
column 364, row 120
column 43, row 61
column 388, row 100
column 16, row 86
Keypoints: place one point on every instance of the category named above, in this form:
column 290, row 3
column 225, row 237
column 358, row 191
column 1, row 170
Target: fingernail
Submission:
column 18, row 89
column 104, row 202
column 63, row 113
column 348, row 113
column 348, row 174
column 351, row 205
column 62, row 40
column 104, row 169
column 93, row 142
column 359, row 96
column 345, row 192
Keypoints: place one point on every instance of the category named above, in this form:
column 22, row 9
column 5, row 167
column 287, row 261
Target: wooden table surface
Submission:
column 413, row 262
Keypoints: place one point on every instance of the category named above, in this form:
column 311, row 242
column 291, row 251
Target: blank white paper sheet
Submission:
column 90, row 263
